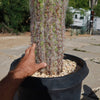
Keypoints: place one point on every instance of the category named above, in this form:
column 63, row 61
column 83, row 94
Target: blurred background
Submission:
column 15, row 16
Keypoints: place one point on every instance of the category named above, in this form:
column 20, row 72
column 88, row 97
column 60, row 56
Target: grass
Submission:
column 79, row 50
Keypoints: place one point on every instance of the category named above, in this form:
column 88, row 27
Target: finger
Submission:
column 33, row 47
column 27, row 50
column 41, row 65
column 32, row 51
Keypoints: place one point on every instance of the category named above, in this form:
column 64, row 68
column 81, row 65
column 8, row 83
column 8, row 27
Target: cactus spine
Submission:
column 47, row 31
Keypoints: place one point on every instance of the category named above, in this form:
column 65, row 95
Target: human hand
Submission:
column 27, row 65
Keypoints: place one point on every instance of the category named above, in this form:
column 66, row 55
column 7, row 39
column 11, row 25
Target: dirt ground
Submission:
column 9, row 40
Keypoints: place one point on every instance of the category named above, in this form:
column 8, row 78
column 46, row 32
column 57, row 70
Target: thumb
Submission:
column 41, row 65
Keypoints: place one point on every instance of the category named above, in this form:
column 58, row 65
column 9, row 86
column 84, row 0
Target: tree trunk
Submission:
column 47, row 31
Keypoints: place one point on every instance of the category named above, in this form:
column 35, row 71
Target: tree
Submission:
column 79, row 4
column 69, row 18
column 14, row 14
column 97, row 9
column 47, row 31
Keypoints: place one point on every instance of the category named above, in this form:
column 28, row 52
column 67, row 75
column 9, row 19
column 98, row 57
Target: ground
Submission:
column 85, row 46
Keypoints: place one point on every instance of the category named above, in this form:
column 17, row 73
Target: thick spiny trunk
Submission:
column 47, row 31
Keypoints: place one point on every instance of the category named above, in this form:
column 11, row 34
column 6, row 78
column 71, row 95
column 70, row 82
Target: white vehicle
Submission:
column 96, row 25
column 81, row 18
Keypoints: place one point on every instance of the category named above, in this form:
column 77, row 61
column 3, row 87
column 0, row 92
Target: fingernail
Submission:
column 45, row 64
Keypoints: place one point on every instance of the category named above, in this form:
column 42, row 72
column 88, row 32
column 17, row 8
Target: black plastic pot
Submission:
column 61, row 88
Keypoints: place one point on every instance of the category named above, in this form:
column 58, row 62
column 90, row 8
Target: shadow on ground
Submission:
column 89, row 94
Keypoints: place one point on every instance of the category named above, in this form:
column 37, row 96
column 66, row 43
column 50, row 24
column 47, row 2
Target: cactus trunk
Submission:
column 47, row 31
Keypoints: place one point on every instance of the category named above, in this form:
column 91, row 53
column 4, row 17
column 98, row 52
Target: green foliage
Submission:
column 97, row 9
column 79, row 3
column 84, row 4
column 14, row 14
column 69, row 18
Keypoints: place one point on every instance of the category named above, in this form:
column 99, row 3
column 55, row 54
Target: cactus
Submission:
column 47, row 31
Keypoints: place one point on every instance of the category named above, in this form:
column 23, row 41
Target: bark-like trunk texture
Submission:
column 47, row 31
